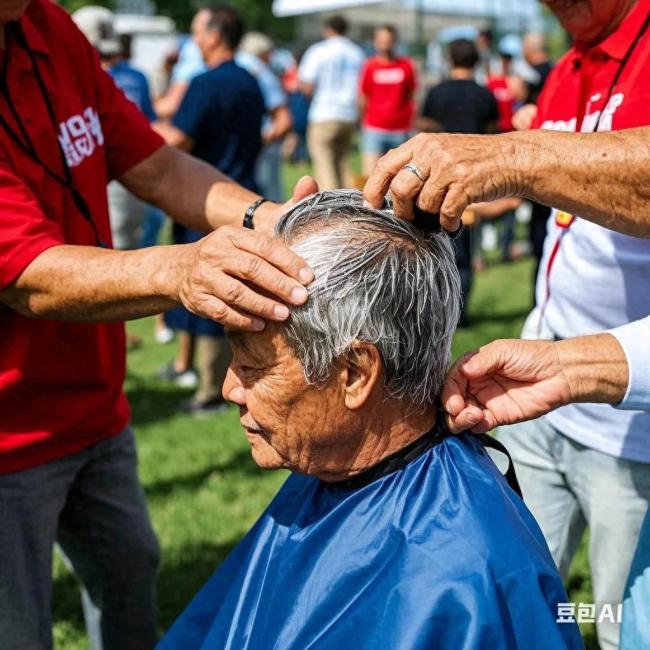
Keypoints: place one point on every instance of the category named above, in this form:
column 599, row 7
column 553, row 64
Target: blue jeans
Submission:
column 569, row 486
column 92, row 504
column 379, row 141
column 635, row 631
column 268, row 172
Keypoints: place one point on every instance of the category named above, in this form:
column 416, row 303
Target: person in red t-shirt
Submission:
column 67, row 455
column 386, row 98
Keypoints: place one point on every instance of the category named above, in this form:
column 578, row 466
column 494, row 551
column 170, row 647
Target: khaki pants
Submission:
column 329, row 147
column 213, row 358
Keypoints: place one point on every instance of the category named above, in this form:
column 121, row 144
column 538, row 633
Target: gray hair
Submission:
column 379, row 280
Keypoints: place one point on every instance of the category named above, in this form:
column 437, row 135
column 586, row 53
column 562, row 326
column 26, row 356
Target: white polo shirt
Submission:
column 333, row 66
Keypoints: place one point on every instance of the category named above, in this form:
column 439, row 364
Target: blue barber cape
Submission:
column 440, row 554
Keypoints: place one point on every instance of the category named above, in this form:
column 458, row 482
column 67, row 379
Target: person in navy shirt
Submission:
column 219, row 121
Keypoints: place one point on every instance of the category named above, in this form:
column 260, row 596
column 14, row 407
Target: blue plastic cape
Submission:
column 441, row 554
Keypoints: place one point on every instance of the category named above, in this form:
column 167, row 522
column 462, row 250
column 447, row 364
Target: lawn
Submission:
column 204, row 491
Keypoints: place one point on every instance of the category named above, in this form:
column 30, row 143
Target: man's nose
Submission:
column 232, row 390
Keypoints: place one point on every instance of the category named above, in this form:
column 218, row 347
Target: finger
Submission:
column 452, row 208
column 237, row 294
column 264, row 276
column 404, row 189
column 217, row 310
column 276, row 253
column 380, row 178
column 431, row 197
column 306, row 186
column 467, row 419
column 485, row 360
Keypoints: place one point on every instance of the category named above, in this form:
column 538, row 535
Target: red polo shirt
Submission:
column 60, row 383
column 388, row 87
column 576, row 89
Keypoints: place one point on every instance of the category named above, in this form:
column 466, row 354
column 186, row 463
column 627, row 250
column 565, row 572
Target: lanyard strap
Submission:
column 23, row 140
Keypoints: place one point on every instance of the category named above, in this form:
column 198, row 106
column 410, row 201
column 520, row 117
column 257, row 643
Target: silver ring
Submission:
column 414, row 169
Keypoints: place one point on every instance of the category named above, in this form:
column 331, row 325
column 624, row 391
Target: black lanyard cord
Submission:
column 621, row 67
column 24, row 141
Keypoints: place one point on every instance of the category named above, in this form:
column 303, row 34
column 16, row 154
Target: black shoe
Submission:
column 208, row 407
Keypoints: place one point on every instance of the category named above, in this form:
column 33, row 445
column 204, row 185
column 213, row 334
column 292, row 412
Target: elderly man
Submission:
column 388, row 533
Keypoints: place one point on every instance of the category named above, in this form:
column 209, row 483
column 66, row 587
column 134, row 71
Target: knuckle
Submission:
column 265, row 246
column 219, row 310
column 252, row 266
column 234, row 293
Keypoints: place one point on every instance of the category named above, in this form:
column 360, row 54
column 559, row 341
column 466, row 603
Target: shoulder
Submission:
column 54, row 25
column 481, row 512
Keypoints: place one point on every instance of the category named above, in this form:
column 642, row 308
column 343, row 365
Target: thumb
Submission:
column 303, row 188
column 490, row 358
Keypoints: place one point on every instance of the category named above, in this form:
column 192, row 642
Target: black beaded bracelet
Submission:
column 250, row 211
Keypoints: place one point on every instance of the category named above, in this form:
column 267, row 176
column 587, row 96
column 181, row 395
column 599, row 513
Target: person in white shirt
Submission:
column 329, row 74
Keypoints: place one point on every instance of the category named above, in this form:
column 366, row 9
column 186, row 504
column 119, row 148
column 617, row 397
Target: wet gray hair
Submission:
column 379, row 280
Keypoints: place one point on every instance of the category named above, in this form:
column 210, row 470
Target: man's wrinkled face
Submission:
column 12, row 10
column 288, row 422
column 589, row 21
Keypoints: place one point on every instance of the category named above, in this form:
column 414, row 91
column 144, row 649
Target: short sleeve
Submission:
column 431, row 105
column 308, row 69
column 411, row 76
column 491, row 108
column 366, row 78
column 196, row 110
column 147, row 106
column 25, row 232
column 634, row 338
column 128, row 137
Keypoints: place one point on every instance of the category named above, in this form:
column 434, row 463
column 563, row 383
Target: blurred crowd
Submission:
column 236, row 101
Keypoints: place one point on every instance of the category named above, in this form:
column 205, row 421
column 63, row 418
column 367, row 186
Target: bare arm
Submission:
column 167, row 105
column 281, row 124
column 212, row 278
column 193, row 192
column 602, row 177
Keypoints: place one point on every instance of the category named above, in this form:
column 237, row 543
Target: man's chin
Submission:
column 263, row 454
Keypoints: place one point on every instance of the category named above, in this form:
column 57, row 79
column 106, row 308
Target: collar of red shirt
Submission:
column 33, row 37
column 617, row 43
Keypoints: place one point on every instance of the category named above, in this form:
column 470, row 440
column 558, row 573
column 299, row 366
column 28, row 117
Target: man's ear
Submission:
column 362, row 371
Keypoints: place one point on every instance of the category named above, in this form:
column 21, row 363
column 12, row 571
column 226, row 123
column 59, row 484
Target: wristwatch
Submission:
column 250, row 211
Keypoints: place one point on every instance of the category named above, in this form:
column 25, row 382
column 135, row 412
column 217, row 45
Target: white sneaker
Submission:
column 164, row 335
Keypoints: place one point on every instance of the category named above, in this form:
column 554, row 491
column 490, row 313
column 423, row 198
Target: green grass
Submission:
column 203, row 489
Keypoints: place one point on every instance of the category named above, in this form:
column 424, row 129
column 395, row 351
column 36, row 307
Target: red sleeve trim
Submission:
column 24, row 254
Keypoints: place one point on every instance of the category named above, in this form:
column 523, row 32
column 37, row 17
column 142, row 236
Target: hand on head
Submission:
column 454, row 172
column 242, row 278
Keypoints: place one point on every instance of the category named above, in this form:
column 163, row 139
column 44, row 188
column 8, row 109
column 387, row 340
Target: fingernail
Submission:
column 257, row 324
column 305, row 275
column 281, row 312
column 299, row 295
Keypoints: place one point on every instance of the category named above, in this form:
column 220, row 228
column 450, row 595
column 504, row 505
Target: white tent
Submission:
column 283, row 8
column 523, row 11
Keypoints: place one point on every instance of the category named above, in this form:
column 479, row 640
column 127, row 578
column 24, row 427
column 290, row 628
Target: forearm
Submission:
column 191, row 191
column 281, row 124
column 81, row 283
column 595, row 368
column 602, row 177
